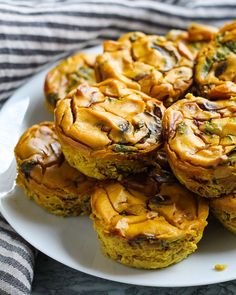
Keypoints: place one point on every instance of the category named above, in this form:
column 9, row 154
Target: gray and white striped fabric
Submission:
column 16, row 262
column 34, row 33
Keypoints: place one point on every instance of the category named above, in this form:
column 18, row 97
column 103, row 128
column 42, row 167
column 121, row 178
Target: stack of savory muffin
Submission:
column 104, row 154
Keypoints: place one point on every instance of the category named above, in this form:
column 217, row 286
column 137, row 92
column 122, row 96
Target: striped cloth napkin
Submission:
column 16, row 262
column 34, row 33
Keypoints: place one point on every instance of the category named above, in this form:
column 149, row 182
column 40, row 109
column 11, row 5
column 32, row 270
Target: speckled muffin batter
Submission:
column 195, row 38
column 47, row 177
column 216, row 62
column 224, row 209
column 152, row 64
column 108, row 130
column 200, row 142
column 148, row 221
column 66, row 76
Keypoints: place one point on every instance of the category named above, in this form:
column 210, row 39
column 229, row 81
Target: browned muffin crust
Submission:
column 47, row 177
column 152, row 64
column 200, row 142
column 224, row 209
column 108, row 130
column 67, row 75
column 215, row 68
column 148, row 221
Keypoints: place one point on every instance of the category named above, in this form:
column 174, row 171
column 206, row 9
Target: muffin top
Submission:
column 109, row 117
column 153, row 64
column 42, row 164
column 153, row 207
column 197, row 36
column 66, row 76
column 215, row 68
column 200, row 32
column 202, row 132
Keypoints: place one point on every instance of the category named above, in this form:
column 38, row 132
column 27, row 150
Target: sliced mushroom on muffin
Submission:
column 108, row 130
column 149, row 221
column 46, row 176
column 215, row 69
column 152, row 64
column 200, row 142
column 195, row 37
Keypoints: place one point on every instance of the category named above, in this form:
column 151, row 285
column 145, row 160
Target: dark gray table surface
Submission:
column 54, row 278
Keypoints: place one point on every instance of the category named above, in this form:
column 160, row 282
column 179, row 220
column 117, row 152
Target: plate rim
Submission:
column 95, row 272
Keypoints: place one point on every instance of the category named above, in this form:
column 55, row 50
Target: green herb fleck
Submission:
column 182, row 128
column 85, row 72
column 110, row 98
column 231, row 45
column 207, row 66
column 26, row 168
column 221, row 53
column 78, row 77
column 218, row 38
column 219, row 56
column 211, row 127
column 121, row 148
column 195, row 45
column 52, row 99
column 231, row 157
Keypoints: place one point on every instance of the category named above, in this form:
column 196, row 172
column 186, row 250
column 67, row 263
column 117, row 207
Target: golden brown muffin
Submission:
column 224, row 209
column 46, row 176
column 215, row 68
column 200, row 32
column 152, row 64
column 197, row 36
column 66, row 76
column 200, row 142
column 108, row 130
column 148, row 221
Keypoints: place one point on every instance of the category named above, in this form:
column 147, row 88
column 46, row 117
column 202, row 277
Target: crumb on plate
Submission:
column 220, row 267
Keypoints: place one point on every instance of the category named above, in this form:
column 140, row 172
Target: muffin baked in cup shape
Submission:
column 224, row 209
column 152, row 64
column 108, row 130
column 200, row 142
column 47, row 177
column 215, row 68
column 197, row 36
column 148, row 222
column 67, row 75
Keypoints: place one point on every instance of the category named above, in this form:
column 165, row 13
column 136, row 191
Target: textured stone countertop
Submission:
column 54, row 278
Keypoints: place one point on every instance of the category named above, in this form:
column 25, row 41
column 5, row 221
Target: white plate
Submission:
column 73, row 242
